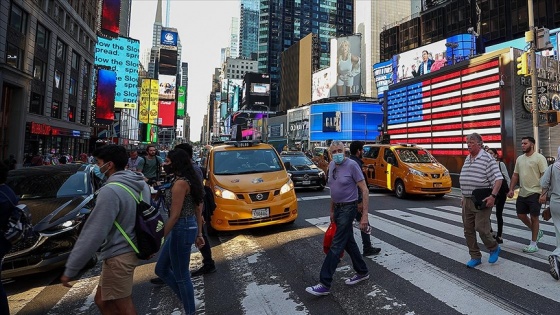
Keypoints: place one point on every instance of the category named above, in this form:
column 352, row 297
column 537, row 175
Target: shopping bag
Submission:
column 329, row 235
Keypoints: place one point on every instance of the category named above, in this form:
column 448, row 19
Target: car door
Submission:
column 370, row 160
column 388, row 167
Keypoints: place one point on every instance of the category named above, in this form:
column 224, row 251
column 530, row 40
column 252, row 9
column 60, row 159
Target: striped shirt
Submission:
column 479, row 172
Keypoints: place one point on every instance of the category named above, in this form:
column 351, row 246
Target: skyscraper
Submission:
column 248, row 28
column 234, row 38
column 285, row 22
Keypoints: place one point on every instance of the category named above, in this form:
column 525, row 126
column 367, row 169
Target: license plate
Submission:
column 261, row 213
column 437, row 185
column 306, row 182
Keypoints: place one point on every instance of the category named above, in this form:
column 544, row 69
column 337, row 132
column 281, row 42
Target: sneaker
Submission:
column 357, row 278
column 157, row 281
column 205, row 269
column 531, row 249
column 553, row 261
column 494, row 255
column 540, row 235
column 474, row 262
column 318, row 290
column 368, row 251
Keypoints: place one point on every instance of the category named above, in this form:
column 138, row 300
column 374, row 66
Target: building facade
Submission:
column 235, row 68
column 285, row 22
column 46, row 63
column 249, row 29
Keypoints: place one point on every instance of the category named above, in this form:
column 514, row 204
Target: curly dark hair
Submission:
column 112, row 153
column 181, row 166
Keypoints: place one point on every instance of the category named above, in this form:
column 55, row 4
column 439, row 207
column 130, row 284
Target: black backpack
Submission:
column 148, row 227
column 19, row 225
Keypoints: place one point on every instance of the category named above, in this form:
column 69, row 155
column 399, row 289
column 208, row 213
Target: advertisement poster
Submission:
column 346, row 58
column 167, row 87
column 323, row 82
column 153, row 109
column 143, row 114
column 105, row 96
column 181, row 99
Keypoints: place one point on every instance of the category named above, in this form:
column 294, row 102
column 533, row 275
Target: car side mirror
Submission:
column 391, row 160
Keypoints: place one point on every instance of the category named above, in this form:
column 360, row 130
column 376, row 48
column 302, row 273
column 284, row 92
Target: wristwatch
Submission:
column 493, row 195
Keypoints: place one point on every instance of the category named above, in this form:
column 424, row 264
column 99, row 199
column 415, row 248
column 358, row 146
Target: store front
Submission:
column 45, row 139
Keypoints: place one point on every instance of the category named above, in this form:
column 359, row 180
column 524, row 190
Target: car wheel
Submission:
column 440, row 195
column 399, row 189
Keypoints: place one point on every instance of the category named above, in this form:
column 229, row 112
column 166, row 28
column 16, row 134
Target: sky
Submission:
column 204, row 29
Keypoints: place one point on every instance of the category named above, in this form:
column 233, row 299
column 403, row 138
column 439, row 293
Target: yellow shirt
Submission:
column 529, row 170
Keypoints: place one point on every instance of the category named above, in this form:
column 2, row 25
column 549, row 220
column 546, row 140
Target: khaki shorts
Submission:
column 116, row 278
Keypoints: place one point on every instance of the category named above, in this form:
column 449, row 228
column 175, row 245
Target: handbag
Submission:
column 478, row 195
column 329, row 236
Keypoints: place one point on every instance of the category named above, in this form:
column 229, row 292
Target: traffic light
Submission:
column 522, row 64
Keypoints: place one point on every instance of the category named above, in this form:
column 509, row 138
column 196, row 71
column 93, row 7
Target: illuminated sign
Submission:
column 122, row 56
column 110, row 17
column 346, row 55
column 438, row 113
column 167, row 87
column 383, row 72
column 332, row 121
column 105, row 96
column 181, row 100
column 168, row 38
column 166, row 112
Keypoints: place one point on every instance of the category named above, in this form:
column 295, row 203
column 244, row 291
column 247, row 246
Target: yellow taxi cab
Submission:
column 405, row 169
column 251, row 186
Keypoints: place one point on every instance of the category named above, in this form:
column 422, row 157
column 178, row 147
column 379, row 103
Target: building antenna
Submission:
column 167, row 10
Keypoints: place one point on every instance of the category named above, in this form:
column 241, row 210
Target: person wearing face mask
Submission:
column 114, row 203
column 345, row 178
column 356, row 152
column 183, row 228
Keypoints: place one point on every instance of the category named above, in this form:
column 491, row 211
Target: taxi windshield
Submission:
column 246, row 162
column 414, row 156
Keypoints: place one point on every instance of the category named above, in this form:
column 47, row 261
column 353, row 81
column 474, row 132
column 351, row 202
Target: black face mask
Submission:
column 167, row 169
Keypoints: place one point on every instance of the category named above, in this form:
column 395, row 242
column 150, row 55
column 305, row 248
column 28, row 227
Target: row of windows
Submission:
column 241, row 67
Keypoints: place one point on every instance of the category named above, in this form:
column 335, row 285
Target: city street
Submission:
column 420, row 270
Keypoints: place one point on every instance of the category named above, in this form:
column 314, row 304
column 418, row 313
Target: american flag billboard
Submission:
column 438, row 113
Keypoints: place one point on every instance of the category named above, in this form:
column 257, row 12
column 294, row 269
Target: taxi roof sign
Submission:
column 243, row 144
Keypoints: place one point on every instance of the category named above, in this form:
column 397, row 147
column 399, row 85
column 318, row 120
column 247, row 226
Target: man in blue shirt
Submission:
column 345, row 177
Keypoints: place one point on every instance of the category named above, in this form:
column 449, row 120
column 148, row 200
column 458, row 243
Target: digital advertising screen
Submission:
column 166, row 113
column 346, row 57
column 181, row 101
column 105, row 96
column 383, row 73
column 110, row 17
column 153, row 108
column 167, row 87
column 323, row 81
column 260, row 89
column 168, row 37
column 143, row 113
column 520, row 43
column 167, row 61
column 122, row 55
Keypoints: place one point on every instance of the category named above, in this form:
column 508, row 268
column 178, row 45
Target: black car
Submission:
column 59, row 198
column 304, row 172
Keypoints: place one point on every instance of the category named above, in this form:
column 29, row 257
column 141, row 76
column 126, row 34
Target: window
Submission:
column 85, row 70
column 13, row 55
column 73, row 87
column 60, row 50
column 36, row 104
column 71, row 113
column 83, row 117
column 75, row 60
column 42, row 38
column 58, row 79
column 55, row 109
column 39, row 69
column 18, row 19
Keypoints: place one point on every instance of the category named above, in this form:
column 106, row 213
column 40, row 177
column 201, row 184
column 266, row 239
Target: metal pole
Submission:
column 533, row 57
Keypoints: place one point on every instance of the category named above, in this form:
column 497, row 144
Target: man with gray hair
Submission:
column 479, row 171
column 345, row 177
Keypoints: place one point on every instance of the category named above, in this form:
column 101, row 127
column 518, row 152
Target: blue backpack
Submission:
column 148, row 227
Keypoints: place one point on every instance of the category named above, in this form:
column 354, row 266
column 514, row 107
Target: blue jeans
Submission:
column 174, row 260
column 343, row 240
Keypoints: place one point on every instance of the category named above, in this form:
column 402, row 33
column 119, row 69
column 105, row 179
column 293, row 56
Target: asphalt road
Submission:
column 265, row 271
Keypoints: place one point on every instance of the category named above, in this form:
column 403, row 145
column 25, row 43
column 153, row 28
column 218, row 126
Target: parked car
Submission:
column 59, row 198
column 304, row 172
column 405, row 169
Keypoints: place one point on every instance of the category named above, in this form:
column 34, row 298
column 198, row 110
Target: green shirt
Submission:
column 149, row 167
column 529, row 170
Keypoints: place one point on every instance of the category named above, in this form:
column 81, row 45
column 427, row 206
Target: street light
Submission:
column 365, row 126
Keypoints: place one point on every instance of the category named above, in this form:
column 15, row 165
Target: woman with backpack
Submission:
column 7, row 201
column 501, row 196
column 183, row 228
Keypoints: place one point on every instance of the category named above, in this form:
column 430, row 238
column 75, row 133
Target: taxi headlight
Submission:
column 446, row 173
column 416, row 172
column 287, row 187
column 224, row 193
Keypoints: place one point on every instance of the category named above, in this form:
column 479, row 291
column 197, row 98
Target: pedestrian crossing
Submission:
column 420, row 270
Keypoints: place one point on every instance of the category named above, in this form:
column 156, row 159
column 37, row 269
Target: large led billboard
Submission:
column 167, row 87
column 256, row 89
column 322, row 83
column 346, row 55
column 122, row 55
column 168, row 61
column 168, row 37
column 181, row 101
column 383, row 73
column 166, row 113
column 110, row 17
column 105, row 96
column 520, row 43
column 148, row 101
